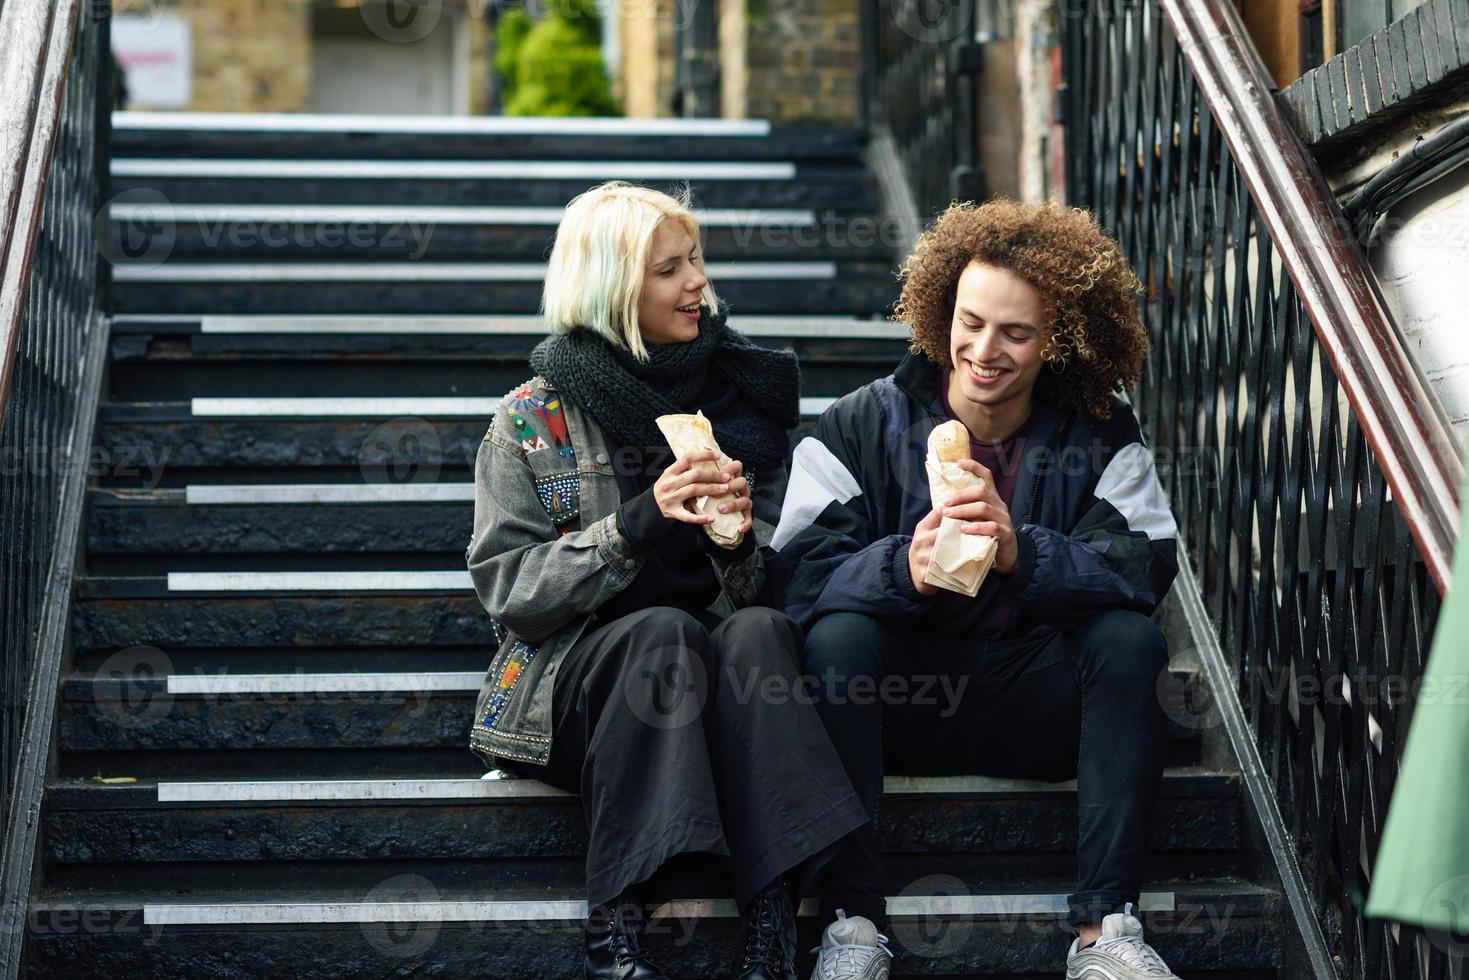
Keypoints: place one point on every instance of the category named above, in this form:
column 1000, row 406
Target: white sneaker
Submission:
column 852, row 949
column 1120, row 953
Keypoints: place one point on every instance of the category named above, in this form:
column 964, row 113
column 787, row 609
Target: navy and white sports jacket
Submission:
column 1093, row 526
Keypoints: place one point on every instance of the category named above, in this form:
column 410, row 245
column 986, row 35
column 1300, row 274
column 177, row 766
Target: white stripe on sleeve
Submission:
column 1130, row 483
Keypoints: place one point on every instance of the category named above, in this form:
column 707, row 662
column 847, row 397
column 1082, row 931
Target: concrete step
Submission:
column 1025, row 828
column 140, row 699
column 406, row 287
column 144, row 225
column 415, row 441
column 529, row 183
column 311, row 136
column 168, row 374
column 410, row 923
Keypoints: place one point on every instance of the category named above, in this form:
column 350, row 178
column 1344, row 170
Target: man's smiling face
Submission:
column 995, row 340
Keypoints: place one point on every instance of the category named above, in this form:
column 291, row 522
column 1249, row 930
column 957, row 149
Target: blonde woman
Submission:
column 636, row 667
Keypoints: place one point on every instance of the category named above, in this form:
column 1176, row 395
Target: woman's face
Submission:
column 668, row 312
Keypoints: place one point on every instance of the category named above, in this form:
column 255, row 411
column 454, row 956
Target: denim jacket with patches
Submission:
column 546, row 553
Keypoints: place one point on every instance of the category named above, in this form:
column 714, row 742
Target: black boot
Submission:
column 770, row 935
column 613, row 948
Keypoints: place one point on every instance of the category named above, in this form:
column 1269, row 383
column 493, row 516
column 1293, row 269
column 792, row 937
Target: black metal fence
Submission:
column 1321, row 603
column 61, row 281
column 921, row 68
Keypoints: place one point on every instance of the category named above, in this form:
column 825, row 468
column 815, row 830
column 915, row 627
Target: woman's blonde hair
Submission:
column 594, row 278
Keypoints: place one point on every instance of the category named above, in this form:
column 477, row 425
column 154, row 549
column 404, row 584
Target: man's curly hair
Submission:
column 1095, row 340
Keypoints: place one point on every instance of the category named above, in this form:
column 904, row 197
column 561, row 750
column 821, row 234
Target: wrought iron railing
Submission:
column 54, row 107
column 920, row 71
column 1311, row 471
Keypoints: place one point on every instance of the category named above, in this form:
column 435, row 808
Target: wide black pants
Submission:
column 1083, row 704
column 686, row 740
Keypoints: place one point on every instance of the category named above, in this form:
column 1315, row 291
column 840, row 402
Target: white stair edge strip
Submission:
column 247, row 407
column 597, row 170
column 327, row 493
column 356, row 407
column 533, row 326
column 336, row 683
column 423, row 271
column 289, row 790
column 304, row 122
column 343, row 581
column 324, row 913
column 425, row 216
column 355, row 789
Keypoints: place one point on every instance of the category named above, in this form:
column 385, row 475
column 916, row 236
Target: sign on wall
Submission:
column 155, row 53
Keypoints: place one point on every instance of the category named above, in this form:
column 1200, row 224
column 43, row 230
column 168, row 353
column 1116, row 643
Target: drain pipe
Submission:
column 1428, row 160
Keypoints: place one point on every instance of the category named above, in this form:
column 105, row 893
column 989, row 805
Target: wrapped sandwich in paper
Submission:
column 960, row 561
column 691, row 433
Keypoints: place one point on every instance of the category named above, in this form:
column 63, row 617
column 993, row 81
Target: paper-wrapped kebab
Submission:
column 691, row 433
column 960, row 561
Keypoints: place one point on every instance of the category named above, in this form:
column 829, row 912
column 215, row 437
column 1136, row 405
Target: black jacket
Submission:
column 1093, row 527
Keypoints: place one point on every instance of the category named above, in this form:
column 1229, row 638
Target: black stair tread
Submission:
column 156, row 586
column 135, row 136
column 479, row 407
column 860, row 288
column 335, row 883
column 84, row 686
column 1189, row 782
column 815, row 187
column 860, row 236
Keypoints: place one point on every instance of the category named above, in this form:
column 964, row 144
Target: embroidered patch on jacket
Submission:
column 539, row 422
column 521, row 654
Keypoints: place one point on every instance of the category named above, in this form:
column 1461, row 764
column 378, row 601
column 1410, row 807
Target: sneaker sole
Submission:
column 1098, row 970
column 878, row 969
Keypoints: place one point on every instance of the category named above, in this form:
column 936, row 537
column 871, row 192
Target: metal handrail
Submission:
column 55, row 100
column 1400, row 416
column 29, row 114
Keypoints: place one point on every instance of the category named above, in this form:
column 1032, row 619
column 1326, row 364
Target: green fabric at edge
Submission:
column 1422, row 870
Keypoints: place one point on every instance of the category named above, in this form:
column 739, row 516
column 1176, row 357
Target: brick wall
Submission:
column 1388, row 74
column 802, row 59
column 248, row 55
column 255, row 55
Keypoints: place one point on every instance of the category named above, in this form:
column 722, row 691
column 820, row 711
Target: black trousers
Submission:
column 683, row 735
column 1081, row 704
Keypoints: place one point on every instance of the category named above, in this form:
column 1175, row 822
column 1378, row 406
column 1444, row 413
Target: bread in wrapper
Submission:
column 960, row 561
column 692, row 433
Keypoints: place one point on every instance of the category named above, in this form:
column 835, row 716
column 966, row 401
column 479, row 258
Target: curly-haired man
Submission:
column 1025, row 328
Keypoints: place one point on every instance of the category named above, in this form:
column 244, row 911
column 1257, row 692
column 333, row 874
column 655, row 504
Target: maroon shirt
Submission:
column 987, row 615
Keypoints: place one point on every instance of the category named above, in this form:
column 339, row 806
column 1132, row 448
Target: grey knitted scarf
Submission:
column 625, row 395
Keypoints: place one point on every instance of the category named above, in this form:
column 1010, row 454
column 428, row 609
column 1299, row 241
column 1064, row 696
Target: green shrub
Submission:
column 510, row 35
column 560, row 73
